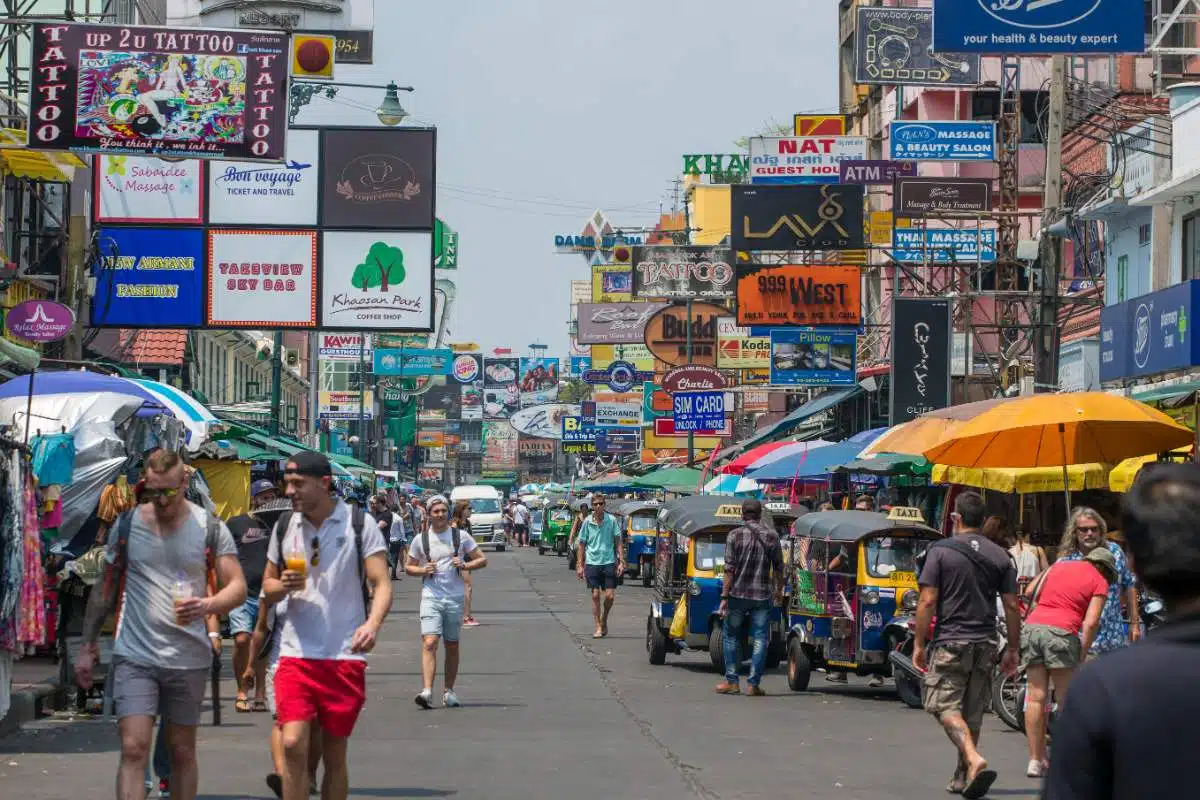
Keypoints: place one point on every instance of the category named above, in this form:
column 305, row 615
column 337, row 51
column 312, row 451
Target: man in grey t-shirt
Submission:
column 162, row 650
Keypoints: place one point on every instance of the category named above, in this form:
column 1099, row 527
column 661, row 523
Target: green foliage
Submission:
column 382, row 267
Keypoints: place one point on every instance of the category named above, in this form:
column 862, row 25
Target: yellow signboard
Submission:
column 906, row 514
column 819, row 125
column 755, row 377
column 729, row 510
column 637, row 354
column 612, row 283
column 881, row 228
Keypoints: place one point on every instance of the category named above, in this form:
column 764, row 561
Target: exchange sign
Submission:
column 1077, row 27
column 135, row 90
column 698, row 411
column 943, row 141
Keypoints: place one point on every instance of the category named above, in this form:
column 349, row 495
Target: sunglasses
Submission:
column 150, row 495
column 1088, row 529
column 316, row 552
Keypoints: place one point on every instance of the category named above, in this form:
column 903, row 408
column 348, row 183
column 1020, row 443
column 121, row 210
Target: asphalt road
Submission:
column 551, row 713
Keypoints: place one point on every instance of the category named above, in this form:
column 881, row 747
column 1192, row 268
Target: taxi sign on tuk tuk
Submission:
column 906, row 514
column 773, row 507
column 730, row 510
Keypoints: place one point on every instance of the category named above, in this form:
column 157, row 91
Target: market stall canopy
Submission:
column 1124, row 474
column 195, row 417
column 671, row 479
column 732, row 485
column 1028, row 480
column 1046, row 430
column 812, row 462
column 789, row 448
column 748, row 458
column 43, row 165
column 916, row 436
column 888, row 464
column 813, row 407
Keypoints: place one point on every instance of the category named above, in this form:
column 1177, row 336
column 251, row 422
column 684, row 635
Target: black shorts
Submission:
column 601, row 576
column 520, row 528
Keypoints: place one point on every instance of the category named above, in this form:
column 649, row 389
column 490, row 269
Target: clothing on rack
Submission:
column 31, row 612
column 53, row 458
column 12, row 556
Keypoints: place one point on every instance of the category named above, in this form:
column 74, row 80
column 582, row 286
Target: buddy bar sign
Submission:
column 137, row 90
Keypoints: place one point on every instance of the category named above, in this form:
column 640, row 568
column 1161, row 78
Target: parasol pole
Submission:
column 29, row 404
column 1062, row 436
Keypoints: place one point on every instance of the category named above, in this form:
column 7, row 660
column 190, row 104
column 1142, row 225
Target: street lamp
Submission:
column 389, row 112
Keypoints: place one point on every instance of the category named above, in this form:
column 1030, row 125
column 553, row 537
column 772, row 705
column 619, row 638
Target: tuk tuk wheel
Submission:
column 799, row 666
column 656, row 642
column 909, row 689
column 716, row 647
column 647, row 574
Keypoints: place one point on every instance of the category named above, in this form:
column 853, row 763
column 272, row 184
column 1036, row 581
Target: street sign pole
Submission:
column 691, row 435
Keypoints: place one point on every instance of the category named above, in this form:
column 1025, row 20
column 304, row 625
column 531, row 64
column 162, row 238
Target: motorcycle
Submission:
column 900, row 633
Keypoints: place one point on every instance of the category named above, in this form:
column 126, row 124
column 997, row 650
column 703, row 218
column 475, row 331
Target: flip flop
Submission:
column 980, row 784
column 259, row 706
column 242, row 705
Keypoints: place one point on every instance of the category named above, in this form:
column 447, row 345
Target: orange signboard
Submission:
column 798, row 295
column 667, row 334
column 819, row 125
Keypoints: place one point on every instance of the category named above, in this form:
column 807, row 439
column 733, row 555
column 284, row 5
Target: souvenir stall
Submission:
column 22, row 578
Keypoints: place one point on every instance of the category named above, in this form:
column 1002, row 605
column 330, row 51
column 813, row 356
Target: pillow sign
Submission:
column 698, row 411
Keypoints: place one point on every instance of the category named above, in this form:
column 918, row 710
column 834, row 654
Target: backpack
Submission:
column 212, row 530
column 358, row 518
column 456, row 542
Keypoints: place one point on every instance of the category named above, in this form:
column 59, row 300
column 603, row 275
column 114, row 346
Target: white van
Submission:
column 487, row 517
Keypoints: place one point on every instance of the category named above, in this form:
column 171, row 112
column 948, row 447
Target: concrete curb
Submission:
column 26, row 705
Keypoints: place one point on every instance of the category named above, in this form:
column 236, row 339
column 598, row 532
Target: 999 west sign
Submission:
column 798, row 295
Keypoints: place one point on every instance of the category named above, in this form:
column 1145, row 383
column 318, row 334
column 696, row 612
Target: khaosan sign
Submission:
column 943, row 141
column 819, row 357
column 150, row 277
column 262, row 278
column 135, row 90
column 1076, row 27
column 802, row 159
column 670, row 272
column 377, row 280
column 133, row 189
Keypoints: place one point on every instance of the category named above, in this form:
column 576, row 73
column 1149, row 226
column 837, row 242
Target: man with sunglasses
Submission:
column 600, row 558
column 159, row 556
column 319, row 557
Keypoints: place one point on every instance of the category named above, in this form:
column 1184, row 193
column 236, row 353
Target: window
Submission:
column 1191, row 246
column 1144, row 234
column 1122, row 278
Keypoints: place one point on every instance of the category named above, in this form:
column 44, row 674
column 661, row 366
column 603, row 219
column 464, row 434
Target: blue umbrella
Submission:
column 76, row 382
column 820, row 461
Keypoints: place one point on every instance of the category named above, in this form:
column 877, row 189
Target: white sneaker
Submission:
column 875, row 682
column 450, row 699
column 424, row 699
column 1036, row 769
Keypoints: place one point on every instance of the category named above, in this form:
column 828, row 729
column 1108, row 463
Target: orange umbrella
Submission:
column 1053, row 430
column 918, row 435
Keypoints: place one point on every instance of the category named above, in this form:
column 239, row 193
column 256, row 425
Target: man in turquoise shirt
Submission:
column 601, row 558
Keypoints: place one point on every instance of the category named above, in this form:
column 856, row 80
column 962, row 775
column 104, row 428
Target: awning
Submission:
column 1027, row 480
column 1168, row 392
column 888, row 464
column 350, row 462
column 810, row 409
column 44, row 165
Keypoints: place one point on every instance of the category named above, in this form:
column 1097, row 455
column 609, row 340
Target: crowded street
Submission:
column 549, row 712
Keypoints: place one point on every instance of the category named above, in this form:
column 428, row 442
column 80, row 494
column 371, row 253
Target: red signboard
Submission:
column 665, row 426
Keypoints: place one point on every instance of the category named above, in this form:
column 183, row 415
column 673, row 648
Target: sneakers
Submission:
column 1036, row 769
column 164, row 788
column 470, row 622
column 875, row 682
column 424, row 699
column 450, row 699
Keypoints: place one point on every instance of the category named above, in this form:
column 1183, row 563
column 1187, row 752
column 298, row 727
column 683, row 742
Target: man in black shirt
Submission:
column 252, row 535
column 1123, row 732
column 959, row 582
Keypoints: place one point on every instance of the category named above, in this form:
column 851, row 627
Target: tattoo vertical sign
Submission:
column 137, row 90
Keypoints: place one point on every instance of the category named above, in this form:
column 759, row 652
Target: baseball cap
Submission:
column 261, row 485
column 306, row 462
column 1103, row 557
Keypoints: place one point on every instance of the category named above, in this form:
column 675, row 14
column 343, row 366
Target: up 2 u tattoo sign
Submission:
column 137, row 90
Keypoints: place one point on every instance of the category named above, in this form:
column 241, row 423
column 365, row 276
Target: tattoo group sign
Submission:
column 136, row 90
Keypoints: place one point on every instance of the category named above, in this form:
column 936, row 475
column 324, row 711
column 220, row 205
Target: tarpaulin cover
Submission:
column 229, row 484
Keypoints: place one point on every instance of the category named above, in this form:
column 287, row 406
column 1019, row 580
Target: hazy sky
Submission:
column 547, row 111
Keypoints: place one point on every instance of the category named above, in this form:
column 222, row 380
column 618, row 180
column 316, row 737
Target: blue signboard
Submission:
column 413, row 362
column 813, row 357
column 1077, row 27
column 612, row 441
column 580, row 365
column 943, row 245
column 943, row 141
column 1149, row 334
column 698, row 411
column 574, row 430
column 150, row 278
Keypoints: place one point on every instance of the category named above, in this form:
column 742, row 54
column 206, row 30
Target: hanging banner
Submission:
column 943, row 141
column 802, row 159
column 921, row 347
column 467, row 368
column 246, row 193
column 611, row 415
column 501, row 392
column 344, row 405
column 137, row 90
column 738, row 349
column 921, row 197
column 262, row 279
column 667, row 334
column 943, row 245
column 813, row 357
column 670, row 272
column 377, row 280
column 799, row 295
column 895, row 47
column 825, row 217
column 150, row 278
column 345, row 347
column 411, row 363
column 1074, row 27
column 378, row 178
column 130, row 189
column 614, row 323
column 538, row 381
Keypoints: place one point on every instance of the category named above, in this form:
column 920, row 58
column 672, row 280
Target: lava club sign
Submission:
column 694, row 378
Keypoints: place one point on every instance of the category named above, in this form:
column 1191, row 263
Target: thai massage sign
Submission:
column 131, row 189
column 262, row 279
column 135, row 90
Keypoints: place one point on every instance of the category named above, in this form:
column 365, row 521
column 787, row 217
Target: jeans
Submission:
column 759, row 612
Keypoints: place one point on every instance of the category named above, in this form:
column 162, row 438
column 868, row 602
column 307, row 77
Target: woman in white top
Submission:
column 1030, row 559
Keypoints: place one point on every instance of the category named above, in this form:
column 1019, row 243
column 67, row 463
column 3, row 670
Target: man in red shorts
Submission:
column 322, row 557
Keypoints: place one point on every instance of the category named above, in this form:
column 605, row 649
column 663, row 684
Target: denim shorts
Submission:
column 441, row 617
column 243, row 618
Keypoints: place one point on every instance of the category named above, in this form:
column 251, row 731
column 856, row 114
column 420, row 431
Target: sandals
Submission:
column 259, row 706
column 242, row 705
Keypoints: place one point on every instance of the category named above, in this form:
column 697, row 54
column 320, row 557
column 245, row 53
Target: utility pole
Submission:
column 276, row 383
column 1047, row 332
column 362, row 393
